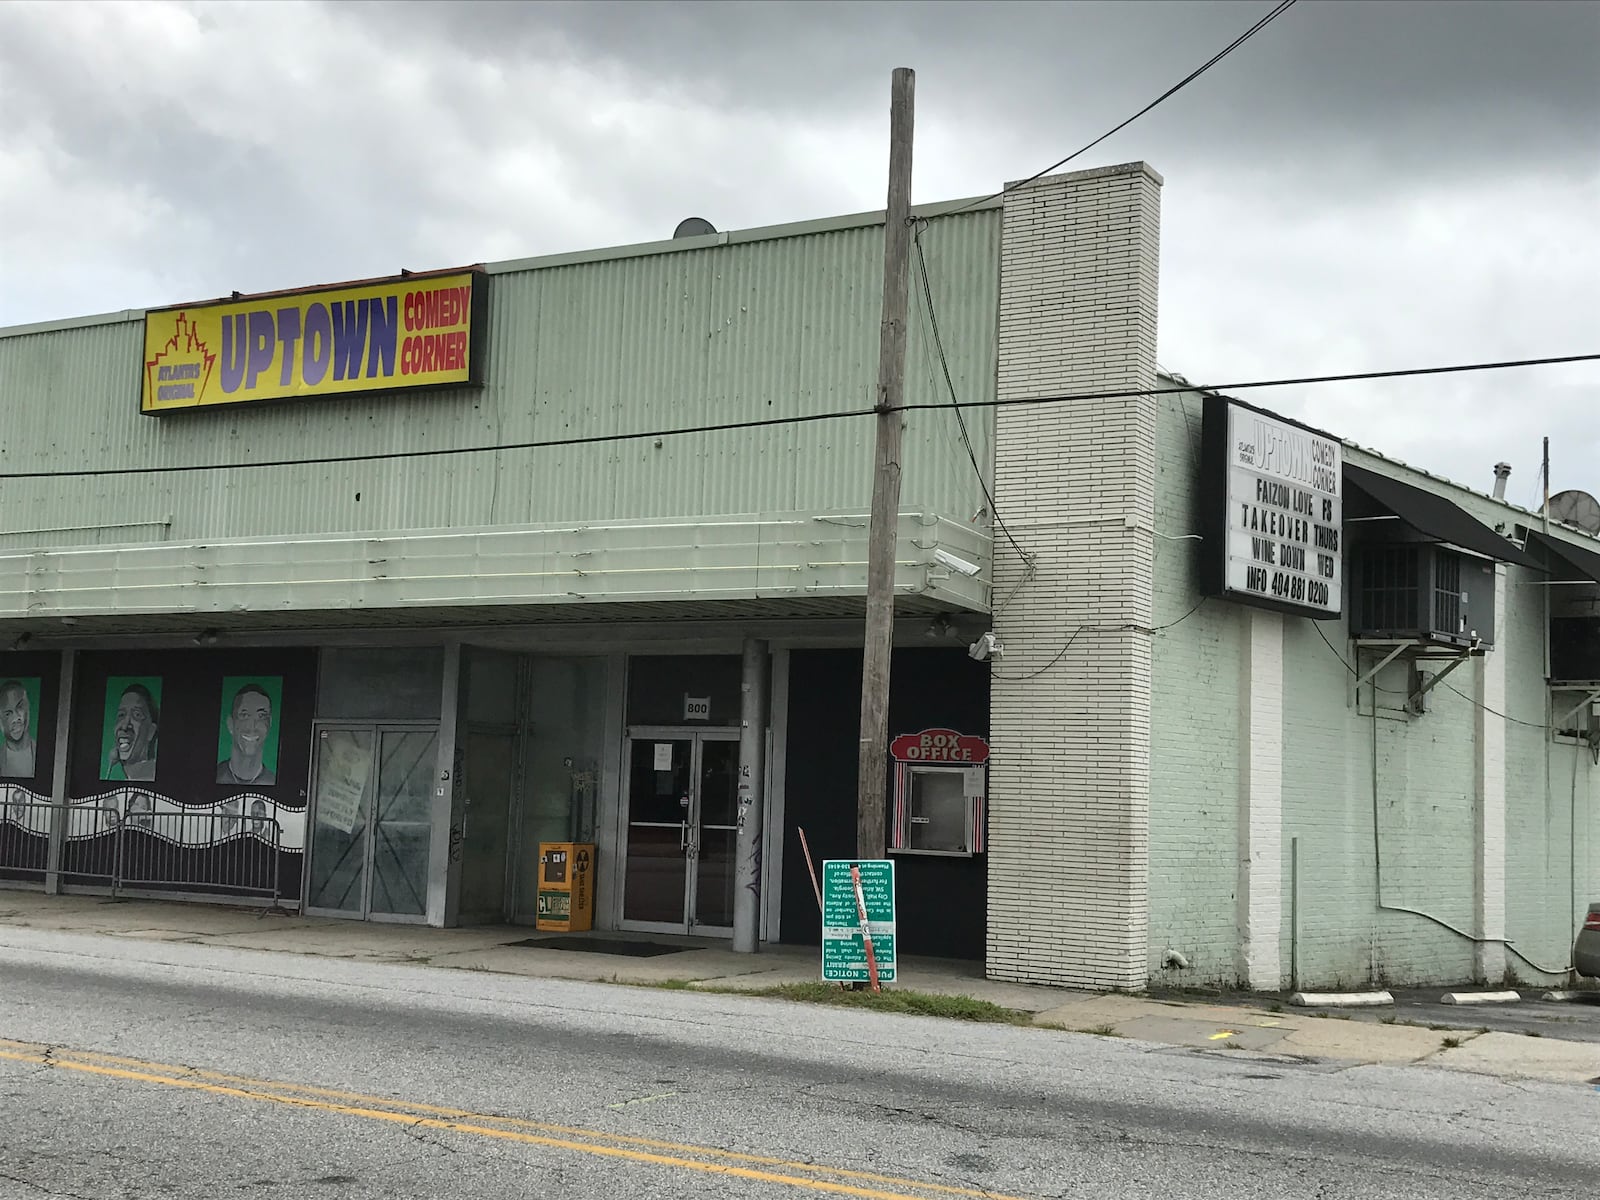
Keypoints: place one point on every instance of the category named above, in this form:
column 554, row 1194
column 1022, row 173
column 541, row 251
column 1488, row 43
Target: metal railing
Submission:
column 197, row 852
column 24, row 834
column 213, row 853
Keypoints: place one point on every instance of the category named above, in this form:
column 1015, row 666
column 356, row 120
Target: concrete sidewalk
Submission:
column 1198, row 1023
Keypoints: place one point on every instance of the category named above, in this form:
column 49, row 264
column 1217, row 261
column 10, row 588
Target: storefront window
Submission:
column 561, row 765
column 490, row 686
column 381, row 684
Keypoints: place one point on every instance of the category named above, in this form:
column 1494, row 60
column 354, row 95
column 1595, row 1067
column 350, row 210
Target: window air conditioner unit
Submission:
column 1422, row 592
column 1574, row 649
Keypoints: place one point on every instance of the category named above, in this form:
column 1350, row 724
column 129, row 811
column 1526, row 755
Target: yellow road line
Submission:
column 465, row 1121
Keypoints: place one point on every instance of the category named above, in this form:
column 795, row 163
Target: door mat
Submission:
column 594, row 945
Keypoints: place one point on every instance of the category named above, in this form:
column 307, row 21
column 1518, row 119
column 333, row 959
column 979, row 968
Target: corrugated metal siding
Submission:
column 749, row 330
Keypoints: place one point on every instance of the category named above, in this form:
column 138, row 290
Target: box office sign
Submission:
column 939, row 746
column 391, row 335
column 1272, row 500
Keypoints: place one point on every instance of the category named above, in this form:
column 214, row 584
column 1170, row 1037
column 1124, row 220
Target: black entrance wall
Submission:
column 942, row 901
column 194, row 689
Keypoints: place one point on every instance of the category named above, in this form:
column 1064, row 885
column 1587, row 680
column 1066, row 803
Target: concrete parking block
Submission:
column 1340, row 999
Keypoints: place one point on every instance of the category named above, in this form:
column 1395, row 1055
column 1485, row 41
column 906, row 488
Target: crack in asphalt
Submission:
column 41, row 1189
column 430, row 1138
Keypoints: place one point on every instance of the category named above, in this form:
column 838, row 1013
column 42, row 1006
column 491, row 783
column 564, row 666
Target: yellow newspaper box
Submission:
column 566, row 887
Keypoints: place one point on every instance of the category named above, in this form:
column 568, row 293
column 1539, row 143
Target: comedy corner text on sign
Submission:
column 413, row 331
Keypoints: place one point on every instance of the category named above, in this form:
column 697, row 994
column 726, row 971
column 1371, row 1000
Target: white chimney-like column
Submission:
column 1502, row 472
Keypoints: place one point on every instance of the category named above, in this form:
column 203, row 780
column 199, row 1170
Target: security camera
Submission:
column 986, row 647
column 959, row 565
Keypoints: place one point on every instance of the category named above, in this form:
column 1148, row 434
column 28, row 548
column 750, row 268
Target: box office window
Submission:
column 938, row 810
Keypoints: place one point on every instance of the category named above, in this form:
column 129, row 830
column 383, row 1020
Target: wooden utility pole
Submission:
column 874, row 749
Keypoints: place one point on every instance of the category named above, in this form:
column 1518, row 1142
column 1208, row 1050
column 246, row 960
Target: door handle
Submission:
column 683, row 836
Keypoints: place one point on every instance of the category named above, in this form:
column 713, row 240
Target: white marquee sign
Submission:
column 1283, row 515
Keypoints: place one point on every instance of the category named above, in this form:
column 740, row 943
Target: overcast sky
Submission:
column 1362, row 186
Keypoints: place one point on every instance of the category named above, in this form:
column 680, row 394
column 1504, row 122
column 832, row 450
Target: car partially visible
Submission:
column 1586, row 949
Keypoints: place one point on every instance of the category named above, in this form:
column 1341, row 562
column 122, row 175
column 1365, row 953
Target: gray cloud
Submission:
column 1449, row 82
column 1361, row 185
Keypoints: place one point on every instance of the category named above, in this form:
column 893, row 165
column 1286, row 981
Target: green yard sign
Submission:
column 844, row 954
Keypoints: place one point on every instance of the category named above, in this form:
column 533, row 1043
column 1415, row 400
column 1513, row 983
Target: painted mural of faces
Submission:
column 249, row 728
column 140, row 808
column 18, row 752
column 134, row 727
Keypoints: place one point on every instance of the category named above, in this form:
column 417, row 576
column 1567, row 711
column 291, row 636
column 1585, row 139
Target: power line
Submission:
column 1530, row 724
column 1244, row 37
column 944, row 365
column 1126, row 628
column 803, row 419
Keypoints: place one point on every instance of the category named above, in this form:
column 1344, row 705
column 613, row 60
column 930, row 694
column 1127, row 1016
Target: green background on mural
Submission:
column 30, row 685
column 115, row 686
column 273, row 686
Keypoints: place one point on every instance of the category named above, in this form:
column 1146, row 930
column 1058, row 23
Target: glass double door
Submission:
column 680, row 816
column 371, row 821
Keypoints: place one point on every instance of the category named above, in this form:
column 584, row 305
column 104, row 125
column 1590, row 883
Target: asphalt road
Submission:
column 135, row 1070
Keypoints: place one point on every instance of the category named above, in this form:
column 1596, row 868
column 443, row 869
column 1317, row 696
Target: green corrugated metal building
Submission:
column 351, row 599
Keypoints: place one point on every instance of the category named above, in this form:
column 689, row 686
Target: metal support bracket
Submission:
column 1362, row 680
column 1592, row 695
column 1437, row 679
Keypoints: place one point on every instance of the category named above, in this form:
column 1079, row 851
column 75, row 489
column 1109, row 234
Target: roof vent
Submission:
column 693, row 227
column 1502, row 472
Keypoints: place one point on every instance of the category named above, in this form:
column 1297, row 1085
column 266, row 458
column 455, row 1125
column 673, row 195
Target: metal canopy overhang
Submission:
column 773, row 567
column 1435, row 517
column 1585, row 563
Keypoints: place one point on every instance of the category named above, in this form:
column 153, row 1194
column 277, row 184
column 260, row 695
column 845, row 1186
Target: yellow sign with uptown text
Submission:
column 413, row 331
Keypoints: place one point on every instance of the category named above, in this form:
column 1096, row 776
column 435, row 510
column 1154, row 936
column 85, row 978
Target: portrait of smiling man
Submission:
column 17, row 746
column 251, row 752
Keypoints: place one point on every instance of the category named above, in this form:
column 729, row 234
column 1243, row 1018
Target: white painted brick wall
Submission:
column 1261, row 800
column 1069, row 785
column 1197, row 764
column 1489, row 692
column 1439, row 776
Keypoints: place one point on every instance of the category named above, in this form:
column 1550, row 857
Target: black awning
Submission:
column 1584, row 562
column 1436, row 517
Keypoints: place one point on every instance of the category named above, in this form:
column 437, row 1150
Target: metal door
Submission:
column 371, row 821
column 679, row 832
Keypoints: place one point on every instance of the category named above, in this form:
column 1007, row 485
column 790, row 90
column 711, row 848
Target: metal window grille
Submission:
column 1391, row 592
column 1447, row 593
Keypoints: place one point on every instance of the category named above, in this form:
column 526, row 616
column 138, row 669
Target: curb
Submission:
column 1480, row 998
column 1340, row 999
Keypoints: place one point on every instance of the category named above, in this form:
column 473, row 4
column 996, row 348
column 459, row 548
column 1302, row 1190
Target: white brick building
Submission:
column 1220, row 792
